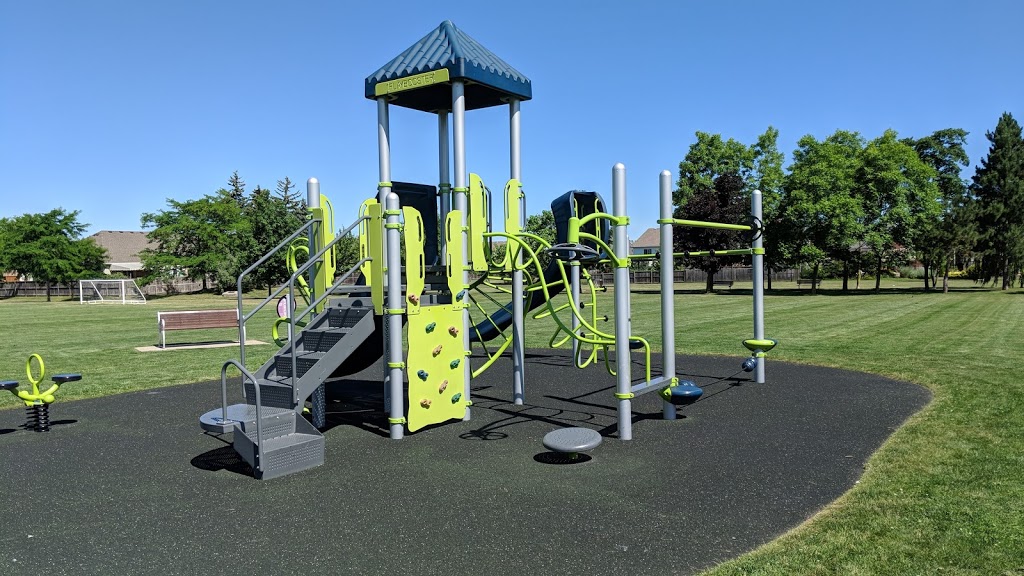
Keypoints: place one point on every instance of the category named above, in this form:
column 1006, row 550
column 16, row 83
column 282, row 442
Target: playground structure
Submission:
column 37, row 402
column 418, row 245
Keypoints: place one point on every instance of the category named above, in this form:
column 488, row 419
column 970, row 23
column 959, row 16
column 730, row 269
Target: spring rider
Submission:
column 37, row 404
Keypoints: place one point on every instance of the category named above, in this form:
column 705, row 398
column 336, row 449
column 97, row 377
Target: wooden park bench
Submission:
column 194, row 320
column 725, row 283
column 808, row 282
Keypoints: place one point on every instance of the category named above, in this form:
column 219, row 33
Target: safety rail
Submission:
column 290, row 285
column 313, row 260
column 259, row 404
column 242, row 318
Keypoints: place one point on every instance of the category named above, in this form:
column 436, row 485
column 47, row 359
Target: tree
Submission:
column 998, row 186
column 769, row 178
column 270, row 221
column 49, row 247
column 543, row 226
column 236, row 188
column 200, row 239
column 293, row 201
column 724, row 202
column 953, row 230
column 819, row 213
column 707, row 159
column 898, row 192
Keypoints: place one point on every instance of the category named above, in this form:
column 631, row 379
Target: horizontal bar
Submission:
column 656, row 384
column 702, row 224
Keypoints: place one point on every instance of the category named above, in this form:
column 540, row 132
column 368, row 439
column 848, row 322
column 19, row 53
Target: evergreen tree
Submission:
column 236, row 189
column 998, row 186
column 292, row 198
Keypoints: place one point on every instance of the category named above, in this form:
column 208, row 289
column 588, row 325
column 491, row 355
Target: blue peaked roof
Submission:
column 488, row 79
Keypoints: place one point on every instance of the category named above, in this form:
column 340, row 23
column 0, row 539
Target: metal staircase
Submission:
column 289, row 442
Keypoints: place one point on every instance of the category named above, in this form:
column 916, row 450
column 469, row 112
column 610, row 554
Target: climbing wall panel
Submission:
column 436, row 375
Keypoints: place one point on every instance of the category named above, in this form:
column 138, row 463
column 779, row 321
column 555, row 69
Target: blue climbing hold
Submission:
column 460, row 295
column 456, row 398
column 454, row 363
column 422, row 374
column 431, row 326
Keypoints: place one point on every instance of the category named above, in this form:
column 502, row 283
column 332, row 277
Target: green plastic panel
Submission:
column 375, row 248
column 364, row 240
column 453, row 254
column 436, row 377
column 477, row 224
column 415, row 267
column 513, row 217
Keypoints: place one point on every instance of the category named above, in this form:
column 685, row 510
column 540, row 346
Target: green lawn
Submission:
column 945, row 495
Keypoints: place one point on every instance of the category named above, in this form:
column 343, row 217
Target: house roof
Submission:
column 122, row 246
column 651, row 238
column 444, row 55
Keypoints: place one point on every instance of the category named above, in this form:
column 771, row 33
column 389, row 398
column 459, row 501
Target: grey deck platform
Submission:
column 136, row 488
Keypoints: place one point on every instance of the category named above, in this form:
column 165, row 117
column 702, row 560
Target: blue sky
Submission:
column 111, row 107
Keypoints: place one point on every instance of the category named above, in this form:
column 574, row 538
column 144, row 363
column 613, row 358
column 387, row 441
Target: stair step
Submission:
column 303, row 363
column 276, row 422
column 213, row 421
column 299, row 450
column 321, row 339
column 273, row 394
column 345, row 317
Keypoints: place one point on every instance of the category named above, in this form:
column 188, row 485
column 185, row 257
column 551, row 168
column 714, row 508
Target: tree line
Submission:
column 849, row 204
column 844, row 204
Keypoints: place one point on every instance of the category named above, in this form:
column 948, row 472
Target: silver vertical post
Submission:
column 668, row 313
column 394, row 317
column 518, row 351
column 757, row 270
column 624, row 379
column 445, row 183
column 459, row 200
column 319, row 398
column 383, row 189
column 574, row 286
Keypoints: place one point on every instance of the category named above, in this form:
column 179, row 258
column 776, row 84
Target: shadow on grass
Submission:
column 798, row 292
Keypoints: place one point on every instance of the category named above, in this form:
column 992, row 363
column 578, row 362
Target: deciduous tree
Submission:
column 49, row 247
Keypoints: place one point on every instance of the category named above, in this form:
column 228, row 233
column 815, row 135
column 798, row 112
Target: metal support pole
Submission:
column 574, row 286
column 444, row 178
column 394, row 317
column 518, row 350
column 622, row 315
column 668, row 312
column 319, row 398
column 383, row 189
column 460, row 202
column 757, row 270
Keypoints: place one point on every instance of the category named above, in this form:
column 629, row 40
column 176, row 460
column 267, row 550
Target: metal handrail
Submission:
column 243, row 318
column 310, row 262
column 259, row 405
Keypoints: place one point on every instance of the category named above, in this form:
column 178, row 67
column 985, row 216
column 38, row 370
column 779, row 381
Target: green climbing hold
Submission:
column 431, row 326
column 460, row 295
column 456, row 398
column 454, row 363
column 422, row 374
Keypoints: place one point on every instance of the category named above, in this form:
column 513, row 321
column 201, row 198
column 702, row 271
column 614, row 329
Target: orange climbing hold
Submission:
column 437, row 350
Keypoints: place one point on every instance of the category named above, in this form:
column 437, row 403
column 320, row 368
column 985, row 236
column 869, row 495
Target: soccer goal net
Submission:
column 110, row 292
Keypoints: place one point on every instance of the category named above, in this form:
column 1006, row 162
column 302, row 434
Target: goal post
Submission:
column 122, row 291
